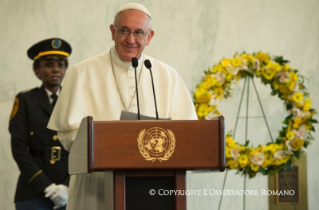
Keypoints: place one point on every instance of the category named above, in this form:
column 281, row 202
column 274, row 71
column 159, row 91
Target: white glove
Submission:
column 50, row 190
column 60, row 197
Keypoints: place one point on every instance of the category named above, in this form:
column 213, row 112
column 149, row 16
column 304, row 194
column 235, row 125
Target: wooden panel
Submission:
column 180, row 184
column 119, row 190
column 149, row 173
column 197, row 145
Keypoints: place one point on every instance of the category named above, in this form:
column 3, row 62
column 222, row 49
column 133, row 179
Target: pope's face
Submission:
column 129, row 47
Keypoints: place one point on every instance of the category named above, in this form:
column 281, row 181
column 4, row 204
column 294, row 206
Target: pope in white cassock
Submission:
column 104, row 85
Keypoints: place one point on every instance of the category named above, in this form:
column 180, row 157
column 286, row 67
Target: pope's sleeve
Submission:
column 69, row 109
column 181, row 104
column 18, row 128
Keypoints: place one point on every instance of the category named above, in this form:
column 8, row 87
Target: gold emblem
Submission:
column 56, row 44
column 31, row 133
column 55, row 137
column 14, row 108
column 52, row 162
column 156, row 144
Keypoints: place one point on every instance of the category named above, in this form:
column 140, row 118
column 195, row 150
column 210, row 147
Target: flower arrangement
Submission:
column 287, row 84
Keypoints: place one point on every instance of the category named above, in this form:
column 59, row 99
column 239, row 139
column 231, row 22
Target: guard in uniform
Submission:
column 43, row 162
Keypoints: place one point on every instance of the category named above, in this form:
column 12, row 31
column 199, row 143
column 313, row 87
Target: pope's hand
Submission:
column 60, row 197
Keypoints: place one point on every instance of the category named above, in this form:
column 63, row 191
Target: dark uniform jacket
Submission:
column 35, row 148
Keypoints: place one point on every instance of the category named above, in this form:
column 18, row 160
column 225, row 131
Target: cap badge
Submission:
column 56, row 44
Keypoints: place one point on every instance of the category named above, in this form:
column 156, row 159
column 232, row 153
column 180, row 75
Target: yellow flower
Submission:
column 291, row 85
column 236, row 62
column 293, row 76
column 286, row 67
column 251, row 59
column 275, row 67
column 269, row 75
column 232, row 164
column 203, row 110
column 306, row 107
column 254, row 167
column 290, row 135
column 295, row 125
column 284, row 89
column 228, row 152
column 308, row 101
column 269, row 148
column 202, row 96
column 225, row 62
column 276, row 84
column 262, row 57
column 278, row 162
column 230, row 141
column 296, row 144
column 217, row 68
column 219, row 92
column 297, row 120
column 228, row 75
column 297, row 97
column 243, row 160
column 245, row 57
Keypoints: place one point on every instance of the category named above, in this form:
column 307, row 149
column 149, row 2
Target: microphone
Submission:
column 135, row 64
column 148, row 65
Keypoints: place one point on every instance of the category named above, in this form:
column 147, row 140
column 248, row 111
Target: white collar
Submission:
column 50, row 93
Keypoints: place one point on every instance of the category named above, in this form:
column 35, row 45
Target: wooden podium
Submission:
column 148, row 148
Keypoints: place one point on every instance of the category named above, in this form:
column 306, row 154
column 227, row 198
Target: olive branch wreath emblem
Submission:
column 146, row 155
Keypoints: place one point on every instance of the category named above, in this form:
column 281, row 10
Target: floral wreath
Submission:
column 287, row 84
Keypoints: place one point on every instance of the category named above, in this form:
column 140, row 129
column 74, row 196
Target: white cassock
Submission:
column 94, row 88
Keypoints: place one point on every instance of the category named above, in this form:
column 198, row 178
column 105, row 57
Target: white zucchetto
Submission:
column 133, row 6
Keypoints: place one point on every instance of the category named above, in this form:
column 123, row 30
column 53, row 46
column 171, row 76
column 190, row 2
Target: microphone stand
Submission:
column 135, row 64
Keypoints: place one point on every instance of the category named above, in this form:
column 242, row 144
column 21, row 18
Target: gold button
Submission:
column 31, row 133
column 52, row 161
column 55, row 137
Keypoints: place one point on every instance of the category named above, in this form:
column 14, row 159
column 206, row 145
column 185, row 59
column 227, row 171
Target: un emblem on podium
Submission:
column 156, row 144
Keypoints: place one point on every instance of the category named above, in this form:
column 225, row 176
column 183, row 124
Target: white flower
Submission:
column 235, row 153
column 279, row 154
column 302, row 133
column 257, row 159
column 220, row 76
column 296, row 87
column 211, row 115
column 283, row 77
column 232, row 69
column 295, row 112
column 244, row 65
column 214, row 101
column 256, row 64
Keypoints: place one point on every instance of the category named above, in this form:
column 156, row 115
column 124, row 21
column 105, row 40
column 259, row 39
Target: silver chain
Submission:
column 118, row 89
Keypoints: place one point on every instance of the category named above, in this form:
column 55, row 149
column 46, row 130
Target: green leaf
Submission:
column 274, row 92
column 297, row 154
column 313, row 129
column 313, row 120
column 263, row 171
column 286, row 122
column 288, row 117
column 246, row 143
column 279, row 141
column 288, row 106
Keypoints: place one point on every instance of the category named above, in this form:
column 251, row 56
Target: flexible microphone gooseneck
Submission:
column 135, row 64
column 148, row 65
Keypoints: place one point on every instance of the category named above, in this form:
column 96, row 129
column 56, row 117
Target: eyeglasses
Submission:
column 138, row 34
